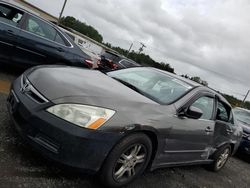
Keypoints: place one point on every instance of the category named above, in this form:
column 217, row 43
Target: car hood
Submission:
column 57, row 83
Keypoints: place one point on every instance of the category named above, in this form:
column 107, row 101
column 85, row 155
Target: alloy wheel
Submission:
column 130, row 162
column 222, row 158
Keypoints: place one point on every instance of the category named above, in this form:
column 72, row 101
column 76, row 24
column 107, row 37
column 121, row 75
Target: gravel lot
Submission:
column 22, row 167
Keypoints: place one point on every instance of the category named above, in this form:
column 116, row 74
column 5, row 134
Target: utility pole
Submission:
column 129, row 49
column 242, row 104
column 141, row 48
column 60, row 16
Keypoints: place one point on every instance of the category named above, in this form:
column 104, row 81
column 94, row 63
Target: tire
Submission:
column 127, row 160
column 220, row 158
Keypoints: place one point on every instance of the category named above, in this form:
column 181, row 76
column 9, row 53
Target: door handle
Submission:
column 10, row 32
column 60, row 49
column 208, row 130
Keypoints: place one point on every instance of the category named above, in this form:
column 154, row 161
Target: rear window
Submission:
column 127, row 64
column 114, row 58
column 45, row 30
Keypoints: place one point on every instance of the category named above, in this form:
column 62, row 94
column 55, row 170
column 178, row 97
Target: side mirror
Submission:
column 194, row 112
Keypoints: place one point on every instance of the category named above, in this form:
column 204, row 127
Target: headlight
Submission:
column 82, row 115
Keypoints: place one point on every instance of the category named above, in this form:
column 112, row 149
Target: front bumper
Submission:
column 55, row 138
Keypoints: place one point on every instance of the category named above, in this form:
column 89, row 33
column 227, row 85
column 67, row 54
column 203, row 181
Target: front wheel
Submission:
column 127, row 160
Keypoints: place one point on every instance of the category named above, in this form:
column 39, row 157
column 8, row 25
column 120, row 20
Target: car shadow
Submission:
column 12, row 68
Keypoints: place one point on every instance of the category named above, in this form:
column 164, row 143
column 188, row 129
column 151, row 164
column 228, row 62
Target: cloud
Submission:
column 197, row 37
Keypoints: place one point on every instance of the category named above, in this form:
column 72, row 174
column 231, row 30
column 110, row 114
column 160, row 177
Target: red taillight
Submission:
column 89, row 62
column 114, row 66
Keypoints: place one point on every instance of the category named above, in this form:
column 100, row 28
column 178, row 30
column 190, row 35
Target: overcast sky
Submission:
column 206, row 38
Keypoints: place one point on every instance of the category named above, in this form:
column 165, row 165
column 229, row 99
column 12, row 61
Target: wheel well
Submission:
column 154, row 141
column 231, row 147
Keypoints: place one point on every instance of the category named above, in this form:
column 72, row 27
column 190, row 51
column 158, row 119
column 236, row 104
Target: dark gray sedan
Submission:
column 121, row 123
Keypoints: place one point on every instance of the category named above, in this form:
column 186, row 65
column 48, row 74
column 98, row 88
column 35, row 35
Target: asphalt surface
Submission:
column 20, row 166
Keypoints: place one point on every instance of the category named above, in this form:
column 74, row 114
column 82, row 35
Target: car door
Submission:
column 224, row 126
column 39, row 43
column 10, row 19
column 191, row 139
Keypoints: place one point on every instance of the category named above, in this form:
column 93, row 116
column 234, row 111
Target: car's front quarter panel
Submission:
column 57, row 139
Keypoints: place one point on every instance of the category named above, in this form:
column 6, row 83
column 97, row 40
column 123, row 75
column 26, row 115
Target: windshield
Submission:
column 153, row 84
column 242, row 115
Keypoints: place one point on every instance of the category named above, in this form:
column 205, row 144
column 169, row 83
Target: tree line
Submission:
column 81, row 27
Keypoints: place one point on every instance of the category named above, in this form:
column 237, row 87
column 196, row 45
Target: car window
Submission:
column 71, row 36
column 206, row 105
column 59, row 39
column 114, row 58
column 126, row 63
column 10, row 15
column 223, row 112
column 42, row 29
column 153, row 84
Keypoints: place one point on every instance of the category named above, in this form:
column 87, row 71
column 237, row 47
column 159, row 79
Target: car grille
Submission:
column 30, row 91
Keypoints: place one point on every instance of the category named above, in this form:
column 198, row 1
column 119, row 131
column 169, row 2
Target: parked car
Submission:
column 112, row 61
column 243, row 117
column 122, row 122
column 27, row 40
